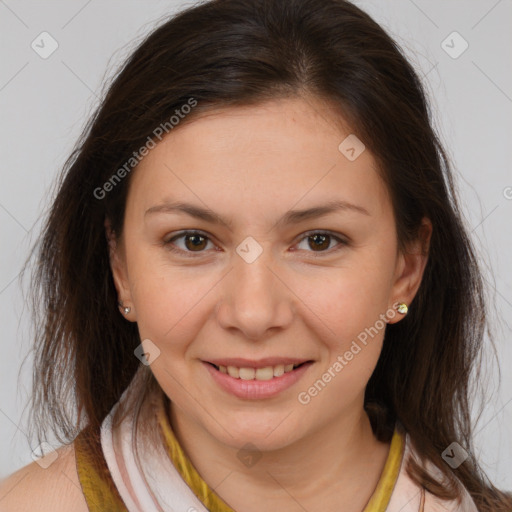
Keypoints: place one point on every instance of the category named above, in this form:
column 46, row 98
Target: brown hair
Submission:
column 239, row 52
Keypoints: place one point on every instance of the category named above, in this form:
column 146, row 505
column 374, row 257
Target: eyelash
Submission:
column 169, row 243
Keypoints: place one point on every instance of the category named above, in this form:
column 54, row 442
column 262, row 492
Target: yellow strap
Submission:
column 382, row 494
column 207, row 496
column 98, row 487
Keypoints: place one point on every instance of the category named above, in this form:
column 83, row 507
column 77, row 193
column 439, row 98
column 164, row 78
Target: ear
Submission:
column 119, row 271
column 410, row 266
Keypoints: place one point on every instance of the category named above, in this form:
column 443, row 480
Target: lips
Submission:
column 256, row 383
column 247, row 373
column 263, row 369
column 240, row 362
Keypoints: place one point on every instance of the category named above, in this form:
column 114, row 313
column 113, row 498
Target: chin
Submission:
column 272, row 434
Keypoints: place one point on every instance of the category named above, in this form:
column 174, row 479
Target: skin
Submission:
column 251, row 165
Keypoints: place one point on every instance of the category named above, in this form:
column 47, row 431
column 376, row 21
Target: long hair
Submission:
column 229, row 53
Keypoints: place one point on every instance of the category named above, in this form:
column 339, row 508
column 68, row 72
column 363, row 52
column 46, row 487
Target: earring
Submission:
column 126, row 309
column 402, row 308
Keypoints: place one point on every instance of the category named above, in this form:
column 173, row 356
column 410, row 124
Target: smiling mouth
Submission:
column 265, row 373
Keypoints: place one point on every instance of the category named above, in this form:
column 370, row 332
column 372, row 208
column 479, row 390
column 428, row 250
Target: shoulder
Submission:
column 408, row 496
column 434, row 504
column 36, row 489
column 465, row 502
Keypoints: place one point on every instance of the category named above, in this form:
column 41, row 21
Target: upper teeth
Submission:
column 266, row 373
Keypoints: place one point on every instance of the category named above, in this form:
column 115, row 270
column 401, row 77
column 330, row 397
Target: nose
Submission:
column 254, row 299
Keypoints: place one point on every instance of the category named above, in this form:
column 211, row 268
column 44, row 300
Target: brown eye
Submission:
column 321, row 242
column 195, row 242
column 188, row 242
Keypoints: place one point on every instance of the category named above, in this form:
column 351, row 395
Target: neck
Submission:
column 338, row 457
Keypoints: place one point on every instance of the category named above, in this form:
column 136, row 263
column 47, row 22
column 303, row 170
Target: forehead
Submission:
column 266, row 155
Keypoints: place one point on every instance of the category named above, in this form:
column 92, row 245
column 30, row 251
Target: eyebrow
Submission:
column 290, row 217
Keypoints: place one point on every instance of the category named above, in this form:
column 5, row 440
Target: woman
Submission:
column 256, row 277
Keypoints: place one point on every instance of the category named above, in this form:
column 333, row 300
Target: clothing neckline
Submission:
column 378, row 501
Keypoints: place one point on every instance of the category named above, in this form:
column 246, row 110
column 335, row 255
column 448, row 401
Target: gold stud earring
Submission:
column 402, row 308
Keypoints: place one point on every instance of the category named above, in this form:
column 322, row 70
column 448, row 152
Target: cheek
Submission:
column 348, row 314
column 170, row 301
column 349, row 299
column 348, row 320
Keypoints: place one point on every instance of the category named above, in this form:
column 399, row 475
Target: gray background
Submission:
column 45, row 103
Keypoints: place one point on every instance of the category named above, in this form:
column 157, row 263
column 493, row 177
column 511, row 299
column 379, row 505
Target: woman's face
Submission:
column 302, row 267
